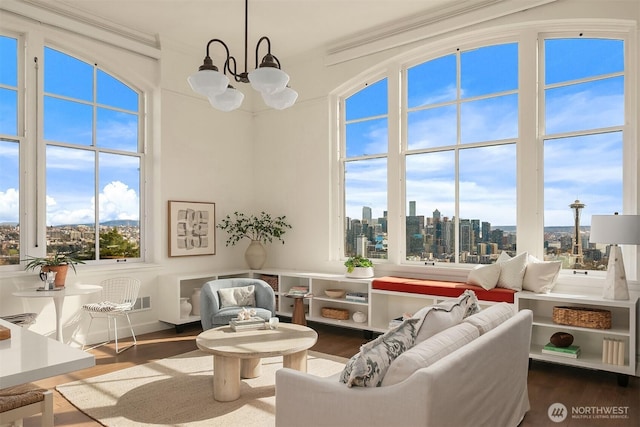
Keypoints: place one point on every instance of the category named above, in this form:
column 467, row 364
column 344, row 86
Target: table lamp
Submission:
column 615, row 230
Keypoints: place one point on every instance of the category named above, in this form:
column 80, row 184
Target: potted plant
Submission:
column 359, row 267
column 260, row 230
column 58, row 262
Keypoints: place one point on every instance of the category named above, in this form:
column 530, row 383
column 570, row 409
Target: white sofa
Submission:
column 481, row 383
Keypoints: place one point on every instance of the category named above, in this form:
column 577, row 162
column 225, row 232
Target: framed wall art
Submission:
column 192, row 228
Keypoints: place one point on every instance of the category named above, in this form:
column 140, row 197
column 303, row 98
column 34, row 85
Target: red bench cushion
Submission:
column 441, row 288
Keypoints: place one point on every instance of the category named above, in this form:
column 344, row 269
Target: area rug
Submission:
column 178, row 391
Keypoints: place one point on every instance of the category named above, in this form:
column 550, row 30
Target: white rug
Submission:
column 179, row 391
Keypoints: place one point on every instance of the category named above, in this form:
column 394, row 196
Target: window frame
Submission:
column 530, row 177
column 139, row 76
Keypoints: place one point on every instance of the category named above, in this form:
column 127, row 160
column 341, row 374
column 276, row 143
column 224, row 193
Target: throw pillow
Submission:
column 242, row 296
column 429, row 351
column 541, row 276
column 368, row 367
column 504, row 256
column 491, row 317
column 485, row 276
column 438, row 317
column 512, row 271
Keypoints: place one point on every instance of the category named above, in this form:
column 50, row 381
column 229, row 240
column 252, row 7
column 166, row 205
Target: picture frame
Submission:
column 192, row 228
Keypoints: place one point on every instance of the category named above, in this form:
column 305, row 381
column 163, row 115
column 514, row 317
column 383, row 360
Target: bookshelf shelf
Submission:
column 590, row 341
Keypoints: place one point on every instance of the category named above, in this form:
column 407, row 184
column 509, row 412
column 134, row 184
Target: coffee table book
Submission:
column 573, row 351
column 243, row 325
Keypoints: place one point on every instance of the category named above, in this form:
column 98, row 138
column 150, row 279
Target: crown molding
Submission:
column 75, row 21
column 432, row 23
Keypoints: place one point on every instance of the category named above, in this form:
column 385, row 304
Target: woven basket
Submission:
column 271, row 280
column 584, row 317
column 335, row 313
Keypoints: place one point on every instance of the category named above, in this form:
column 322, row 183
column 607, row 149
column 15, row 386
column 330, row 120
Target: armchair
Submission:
column 213, row 315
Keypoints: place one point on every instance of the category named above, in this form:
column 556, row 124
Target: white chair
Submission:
column 117, row 299
column 17, row 403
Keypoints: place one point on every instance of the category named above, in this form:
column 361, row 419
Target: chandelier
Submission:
column 267, row 78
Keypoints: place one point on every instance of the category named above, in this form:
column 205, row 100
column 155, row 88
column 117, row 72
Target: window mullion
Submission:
column 530, row 177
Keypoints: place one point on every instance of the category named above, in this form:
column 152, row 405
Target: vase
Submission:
column 195, row 302
column 359, row 317
column 185, row 308
column 61, row 273
column 255, row 255
column 360, row 273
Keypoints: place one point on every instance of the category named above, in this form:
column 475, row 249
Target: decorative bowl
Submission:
column 334, row 293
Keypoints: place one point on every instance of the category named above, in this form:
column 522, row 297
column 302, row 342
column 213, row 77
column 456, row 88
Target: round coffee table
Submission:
column 237, row 354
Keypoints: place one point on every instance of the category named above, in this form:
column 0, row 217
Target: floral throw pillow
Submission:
column 368, row 367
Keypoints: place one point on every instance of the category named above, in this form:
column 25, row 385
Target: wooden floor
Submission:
column 576, row 389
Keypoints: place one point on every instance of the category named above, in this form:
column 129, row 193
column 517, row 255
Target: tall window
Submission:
column 9, row 153
column 583, row 130
column 462, row 117
column 93, row 157
column 82, row 137
column 365, row 171
column 461, row 127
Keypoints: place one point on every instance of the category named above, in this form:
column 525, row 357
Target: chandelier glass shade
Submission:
column 267, row 78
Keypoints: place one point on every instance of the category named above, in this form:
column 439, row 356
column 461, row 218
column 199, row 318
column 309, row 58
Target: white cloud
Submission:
column 9, row 205
column 118, row 201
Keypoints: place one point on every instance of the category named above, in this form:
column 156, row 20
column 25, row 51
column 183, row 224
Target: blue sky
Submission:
column 487, row 175
column 69, row 103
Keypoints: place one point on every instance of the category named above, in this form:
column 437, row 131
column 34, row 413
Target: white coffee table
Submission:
column 237, row 354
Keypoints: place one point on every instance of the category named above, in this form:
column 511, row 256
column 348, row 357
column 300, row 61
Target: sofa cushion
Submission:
column 540, row 276
column 438, row 317
column 368, row 367
column 490, row 317
column 429, row 351
column 485, row 276
column 512, row 271
column 242, row 296
column 441, row 288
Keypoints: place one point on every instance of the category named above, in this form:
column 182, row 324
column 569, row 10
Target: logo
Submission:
column 557, row 412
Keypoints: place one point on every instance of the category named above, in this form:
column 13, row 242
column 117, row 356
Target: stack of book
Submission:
column 299, row 291
column 572, row 351
column 356, row 296
column 243, row 325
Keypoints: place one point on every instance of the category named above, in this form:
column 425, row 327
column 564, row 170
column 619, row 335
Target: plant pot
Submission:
column 360, row 273
column 255, row 255
column 61, row 275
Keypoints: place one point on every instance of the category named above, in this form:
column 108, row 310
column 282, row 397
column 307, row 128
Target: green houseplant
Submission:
column 58, row 262
column 359, row 267
column 260, row 230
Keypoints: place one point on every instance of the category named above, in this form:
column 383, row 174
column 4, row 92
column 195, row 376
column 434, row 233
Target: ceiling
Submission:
column 293, row 26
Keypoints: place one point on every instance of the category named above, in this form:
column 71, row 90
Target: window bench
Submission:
column 441, row 288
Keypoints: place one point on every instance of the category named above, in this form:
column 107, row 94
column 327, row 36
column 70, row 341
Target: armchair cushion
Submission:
column 212, row 314
column 240, row 296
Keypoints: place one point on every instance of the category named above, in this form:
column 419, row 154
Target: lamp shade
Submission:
column 282, row 99
column 268, row 80
column 228, row 100
column 615, row 229
column 208, row 82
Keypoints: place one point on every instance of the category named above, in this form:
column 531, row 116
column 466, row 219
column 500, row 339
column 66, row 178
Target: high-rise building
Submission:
column 576, row 249
column 412, row 208
column 366, row 214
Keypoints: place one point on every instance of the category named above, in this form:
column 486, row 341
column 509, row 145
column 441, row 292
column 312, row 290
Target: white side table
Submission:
column 58, row 299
